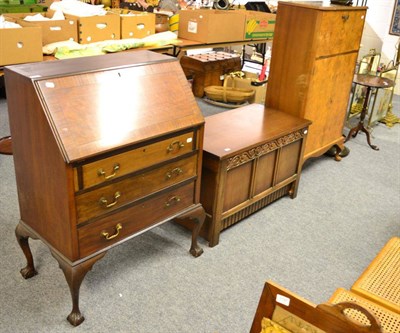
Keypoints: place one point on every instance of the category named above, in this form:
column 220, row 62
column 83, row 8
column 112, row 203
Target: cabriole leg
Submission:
column 23, row 235
column 198, row 216
column 74, row 276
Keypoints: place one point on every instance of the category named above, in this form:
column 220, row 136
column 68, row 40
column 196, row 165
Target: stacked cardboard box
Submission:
column 134, row 24
column 216, row 26
column 52, row 30
column 20, row 45
column 97, row 28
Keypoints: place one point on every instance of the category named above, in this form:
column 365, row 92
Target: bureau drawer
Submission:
column 121, row 164
column 115, row 195
column 111, row 229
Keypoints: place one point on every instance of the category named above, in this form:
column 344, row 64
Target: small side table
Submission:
column 369, row 82
column 6, row 145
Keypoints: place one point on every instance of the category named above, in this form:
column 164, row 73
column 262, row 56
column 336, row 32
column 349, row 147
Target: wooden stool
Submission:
column 380, row 282
column 208, row 68
column 389, row 320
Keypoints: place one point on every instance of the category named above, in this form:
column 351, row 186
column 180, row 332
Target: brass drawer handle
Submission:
column 173, row 200
column 103, row 201
column 345, row 17
column 107, row 236
column 176, row 172
column 101, row 172
column 177, row 144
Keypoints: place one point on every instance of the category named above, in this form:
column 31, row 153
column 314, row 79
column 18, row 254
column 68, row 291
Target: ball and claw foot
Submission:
column 28, row 272
column 196, row 251
column 338, row 158
column 75, row 318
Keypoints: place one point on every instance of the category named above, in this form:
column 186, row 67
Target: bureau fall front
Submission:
column 105, row 148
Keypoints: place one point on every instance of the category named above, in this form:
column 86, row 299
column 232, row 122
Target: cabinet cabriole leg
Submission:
column 198, row 216
column 74, row 276
column 23, row 235
column 338, row 158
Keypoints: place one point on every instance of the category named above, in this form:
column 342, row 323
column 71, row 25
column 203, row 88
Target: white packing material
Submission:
column 58, row 15
column 7, row 25
column 78, row 8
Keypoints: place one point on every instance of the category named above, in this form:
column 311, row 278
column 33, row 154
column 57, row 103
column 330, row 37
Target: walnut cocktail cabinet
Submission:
column 312, row 66
column 252, row 156
column 105, row 148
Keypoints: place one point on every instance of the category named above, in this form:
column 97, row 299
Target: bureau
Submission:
column 105, row 148
column 252, row 157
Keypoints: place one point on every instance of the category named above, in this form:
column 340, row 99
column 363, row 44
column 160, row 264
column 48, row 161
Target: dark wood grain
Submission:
column 105, row 148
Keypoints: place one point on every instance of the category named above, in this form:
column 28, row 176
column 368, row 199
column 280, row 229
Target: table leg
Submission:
column 360, row 126
column 363, row 129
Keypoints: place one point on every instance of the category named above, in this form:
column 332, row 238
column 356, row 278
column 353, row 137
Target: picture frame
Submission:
column 395, row 23
column 383, row 98
column 380, row 106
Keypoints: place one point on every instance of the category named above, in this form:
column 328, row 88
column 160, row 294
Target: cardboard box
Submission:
column 52, row 31
column 97, row 28
column 137, row 24
column 211, row 26
column 259, row 25
column 20, row 45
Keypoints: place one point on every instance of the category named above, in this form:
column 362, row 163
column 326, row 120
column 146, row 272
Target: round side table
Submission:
column 370, row 82
column 6, row 145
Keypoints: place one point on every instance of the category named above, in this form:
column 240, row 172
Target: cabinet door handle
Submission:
column 104, row 202
column 345, row 17
column 173, row 200
column 101, row 172
column 176, row 172
column 176, row 145
column 107, row 236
